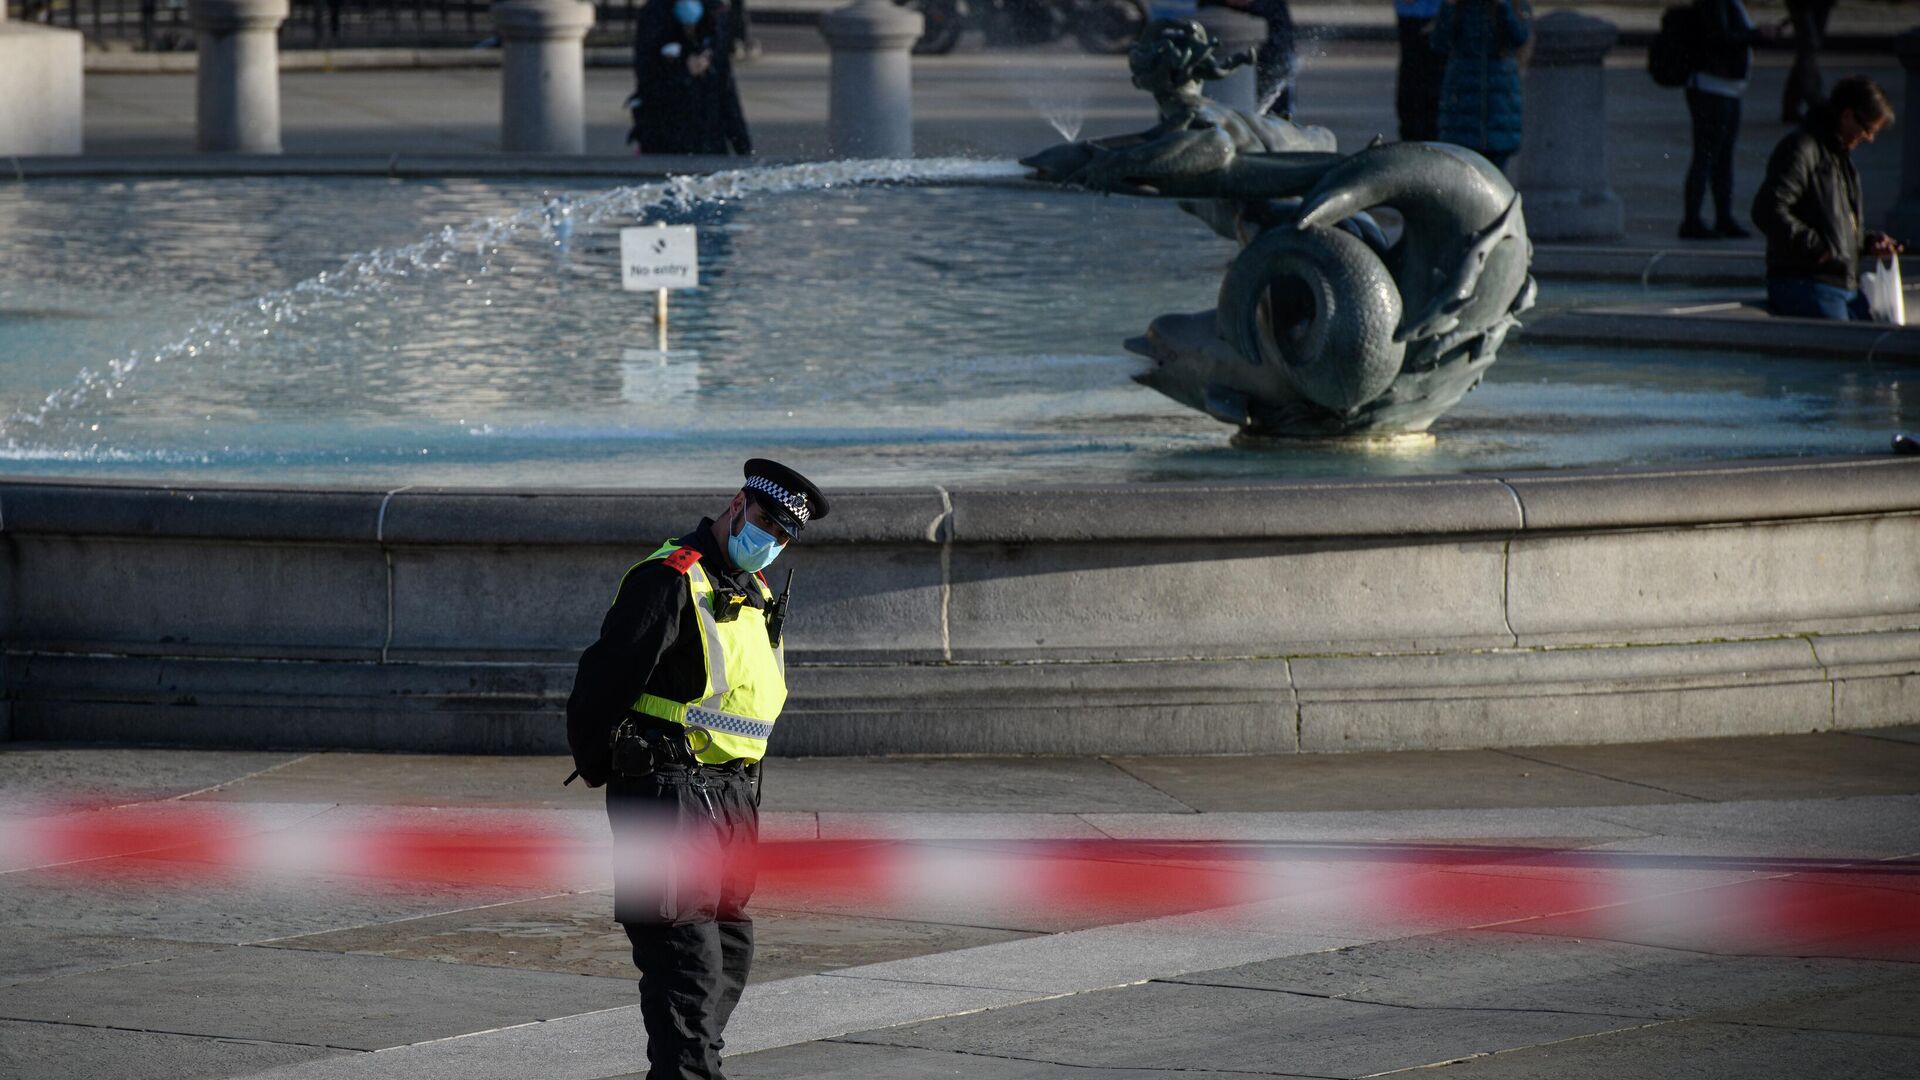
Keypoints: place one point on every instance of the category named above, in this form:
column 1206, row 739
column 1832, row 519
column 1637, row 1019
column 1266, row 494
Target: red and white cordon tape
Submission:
column 1786, row 905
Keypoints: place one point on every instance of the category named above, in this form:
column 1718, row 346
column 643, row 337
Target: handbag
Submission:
column 1886, row 299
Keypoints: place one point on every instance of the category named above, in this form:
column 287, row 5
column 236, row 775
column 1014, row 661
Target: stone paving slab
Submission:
column 1826, row 765
column 1106, row 956
column 1449, row 996
column 27, row 955
column 1345, row 826
column 576, row 934
column 1408, row 780
column 613, row 1042
column 1482, row 969
column 788, row 944
column 1013, row 785
column 32, row 774
column 912, row 825
column 1701, row 1051
column 1227, row 1029
column 1864, row 827
column 345, row 1002
column 148, row 898
column 33, row 1051
column 416, row 780
column 572, row 933
column 857, row 1061
column 1890, row 1008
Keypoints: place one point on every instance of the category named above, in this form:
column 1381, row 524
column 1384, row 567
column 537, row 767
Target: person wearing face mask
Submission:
column 684, row 99
column 672, row 709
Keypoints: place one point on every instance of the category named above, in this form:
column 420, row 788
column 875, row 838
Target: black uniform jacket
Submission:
column 1809, row 206
column 680, row 112
column 649, row 643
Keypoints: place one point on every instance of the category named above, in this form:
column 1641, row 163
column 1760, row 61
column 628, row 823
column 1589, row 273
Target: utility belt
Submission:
column 643, row 745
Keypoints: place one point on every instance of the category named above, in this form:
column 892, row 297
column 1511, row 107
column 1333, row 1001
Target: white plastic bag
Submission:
column 1885, row 299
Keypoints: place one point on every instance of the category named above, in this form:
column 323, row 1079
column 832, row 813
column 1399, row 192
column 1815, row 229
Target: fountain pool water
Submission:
column 222, row 330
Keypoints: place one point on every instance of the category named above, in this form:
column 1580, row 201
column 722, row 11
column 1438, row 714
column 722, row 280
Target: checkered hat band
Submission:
column 795, row 504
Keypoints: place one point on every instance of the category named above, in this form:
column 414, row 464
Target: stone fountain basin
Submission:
column 1465, row 611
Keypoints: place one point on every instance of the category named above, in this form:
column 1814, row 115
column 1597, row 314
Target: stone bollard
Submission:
column 1903, row 221
column 870, row 110
column 543, row 88
column 40, row 89
column 1234, row 32
column 237, row 82
column 1563, row 166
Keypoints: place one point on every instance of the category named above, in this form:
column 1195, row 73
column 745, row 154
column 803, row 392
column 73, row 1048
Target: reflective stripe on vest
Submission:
column 746, row 678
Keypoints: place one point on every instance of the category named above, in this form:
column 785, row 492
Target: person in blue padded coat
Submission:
column 1480, row 97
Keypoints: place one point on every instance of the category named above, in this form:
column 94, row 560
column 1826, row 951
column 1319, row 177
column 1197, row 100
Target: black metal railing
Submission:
column 162, row 24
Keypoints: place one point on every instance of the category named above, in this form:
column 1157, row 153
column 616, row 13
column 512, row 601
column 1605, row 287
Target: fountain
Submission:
column 352, row 504
column 1324, row 328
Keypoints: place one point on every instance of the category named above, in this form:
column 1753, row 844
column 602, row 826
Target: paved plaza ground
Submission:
column 1427, row 909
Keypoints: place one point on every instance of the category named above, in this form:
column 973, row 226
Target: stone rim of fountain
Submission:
column 1586, row 605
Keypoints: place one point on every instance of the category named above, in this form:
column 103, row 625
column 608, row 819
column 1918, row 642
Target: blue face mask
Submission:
column 688, row 11
column 753, row 548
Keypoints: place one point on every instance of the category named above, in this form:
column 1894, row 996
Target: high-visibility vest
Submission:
column 746, row 682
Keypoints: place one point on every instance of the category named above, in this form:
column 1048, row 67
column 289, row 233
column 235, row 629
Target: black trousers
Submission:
column 1716, row 125
column 1416, row 95
column 684, row 840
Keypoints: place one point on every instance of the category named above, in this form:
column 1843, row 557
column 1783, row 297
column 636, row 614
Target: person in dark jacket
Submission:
column 1803, row 89
column 1416, row 87
column 1713, row 101
column 684, row 99
column 1809, row 207
column 1480, row 96
column 671, row 711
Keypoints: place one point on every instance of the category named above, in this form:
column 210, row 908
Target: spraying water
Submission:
column 554, row 222
column 1066, row 118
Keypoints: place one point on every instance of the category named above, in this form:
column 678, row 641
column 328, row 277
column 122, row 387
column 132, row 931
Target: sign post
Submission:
column 661, row 258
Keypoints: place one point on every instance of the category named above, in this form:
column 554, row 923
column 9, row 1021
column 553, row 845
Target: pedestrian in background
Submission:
column 1809, row 207
column 1803, row 90
column 1480, row 96
column 1724, row 55
column 1276, row 61
column 1416, row 89
column 684, row 99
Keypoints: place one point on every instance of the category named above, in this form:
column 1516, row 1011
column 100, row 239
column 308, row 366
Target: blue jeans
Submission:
column 1804, row 298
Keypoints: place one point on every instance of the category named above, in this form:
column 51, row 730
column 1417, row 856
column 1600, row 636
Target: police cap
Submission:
column 790, row 498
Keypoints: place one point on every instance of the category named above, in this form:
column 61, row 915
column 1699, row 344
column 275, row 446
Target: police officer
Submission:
column 671, row 710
